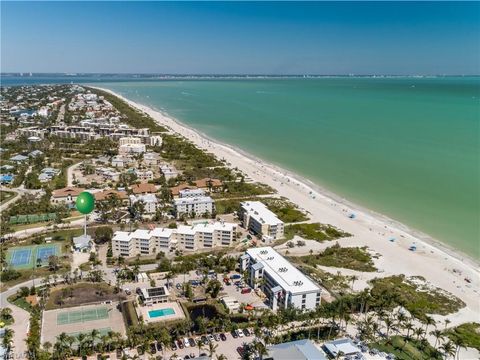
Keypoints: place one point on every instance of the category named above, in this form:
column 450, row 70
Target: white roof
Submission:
column 282, row 271
column 193, row 200
column 206, row 227
column 161, row 232
column 191, row 191
column 260, row 212
column 121, row 236
column 141, row 234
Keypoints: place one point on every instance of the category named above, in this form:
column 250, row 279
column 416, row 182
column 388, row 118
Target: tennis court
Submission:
column 29, row 256
column 44, row 252
column 100, row 317
column 20, row 257
column 83, row 315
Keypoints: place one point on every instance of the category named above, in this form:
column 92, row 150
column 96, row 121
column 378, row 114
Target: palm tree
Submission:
column 409, row 327
column 448, row 349
column 353, row 278
column 212, row 348
column 389, row 322
column 94, row 334
column 47, row 345
column 438, row 335
column 221, row 357
column 428, row 321
column 200, row 346
column 418, row 332
column 459, row 343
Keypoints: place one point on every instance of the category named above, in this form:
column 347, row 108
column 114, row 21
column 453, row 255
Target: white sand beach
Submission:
column 441, row 266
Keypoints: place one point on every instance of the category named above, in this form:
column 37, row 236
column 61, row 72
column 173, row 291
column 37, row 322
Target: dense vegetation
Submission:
column 405, row 349
column 412, row 293
column 467, row 334
column 314, row 231
column 133, row 117
column 353, row 258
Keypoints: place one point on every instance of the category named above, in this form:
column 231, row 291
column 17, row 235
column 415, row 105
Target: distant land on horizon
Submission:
column 215, row 75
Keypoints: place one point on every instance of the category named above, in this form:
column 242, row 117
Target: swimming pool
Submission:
column 161, row 312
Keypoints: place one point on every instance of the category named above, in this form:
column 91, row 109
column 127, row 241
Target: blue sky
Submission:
column 254, row 38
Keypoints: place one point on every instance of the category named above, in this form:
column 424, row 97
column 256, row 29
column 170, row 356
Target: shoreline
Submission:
column 369, row 228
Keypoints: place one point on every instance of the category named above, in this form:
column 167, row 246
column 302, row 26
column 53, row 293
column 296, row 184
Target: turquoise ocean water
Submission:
column 404, row 147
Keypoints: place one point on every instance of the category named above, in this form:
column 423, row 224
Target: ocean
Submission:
column 404, row 147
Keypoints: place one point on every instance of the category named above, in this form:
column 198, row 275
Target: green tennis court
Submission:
column 84, row 315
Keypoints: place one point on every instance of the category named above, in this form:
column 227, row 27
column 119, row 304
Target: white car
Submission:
column 186, row 342
column 240, row 333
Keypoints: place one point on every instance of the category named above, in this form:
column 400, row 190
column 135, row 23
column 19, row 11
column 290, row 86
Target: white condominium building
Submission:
column 129, row 140
column 194, row 237
column 197, row 206
column 150, row 202
column 283, row 284
column 126, row 149
column 255, row 216
column 205, row 235
column 191, row 193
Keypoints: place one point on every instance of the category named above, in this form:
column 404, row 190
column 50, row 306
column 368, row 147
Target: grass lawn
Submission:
column 314, row 231
column 6, row 195
column 407, row 350
column 20, row 302
column 353, row 258
column 469, row 333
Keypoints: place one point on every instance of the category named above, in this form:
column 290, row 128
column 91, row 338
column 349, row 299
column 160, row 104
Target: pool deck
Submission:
column 143, row 311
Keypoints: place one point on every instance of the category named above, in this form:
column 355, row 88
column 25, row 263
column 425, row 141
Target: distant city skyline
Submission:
column 318, row 38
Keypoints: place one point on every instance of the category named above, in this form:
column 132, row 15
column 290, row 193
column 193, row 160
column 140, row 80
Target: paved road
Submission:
column 19, row 191
column 22, row 319
column 70, row 170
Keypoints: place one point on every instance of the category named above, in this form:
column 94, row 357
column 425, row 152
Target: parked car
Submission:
column 240, row 350
column 180, row 344
column 174, row 346
column 186, row 342
column 246, row 332
column 234, row 334
column 223, row 337
column 159, row 346
column 235, row 276
column 246, row 290
column 216, row 337
column 153, row 349
column 211, row 338
column 239, row 333
column 192, row 342
column 204, row 340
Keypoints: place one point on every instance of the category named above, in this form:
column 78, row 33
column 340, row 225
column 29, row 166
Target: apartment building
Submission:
column 193, row 206
column 194, row 237
column 256, row 217
column 205, row 235
column 283, row 284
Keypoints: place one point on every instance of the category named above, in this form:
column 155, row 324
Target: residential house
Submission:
column 67, row 195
